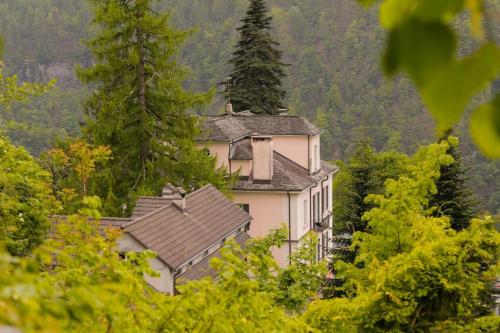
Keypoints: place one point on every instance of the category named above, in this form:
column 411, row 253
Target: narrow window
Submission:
column 306, row 214
column 316, row 158
column 327, row 199
column 314, row 208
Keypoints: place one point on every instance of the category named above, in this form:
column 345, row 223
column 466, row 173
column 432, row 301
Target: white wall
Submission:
column 165, row 282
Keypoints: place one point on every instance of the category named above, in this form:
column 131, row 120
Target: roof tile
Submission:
column 178, row 236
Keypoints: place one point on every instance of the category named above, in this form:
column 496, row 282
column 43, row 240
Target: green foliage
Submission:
column 75, row 167
column 365, row 174
column 417, row 273
column 255, row 80
column 422, row 43
column 25, row 199
column 77, row 282
column 453, row 196
column 139, row 106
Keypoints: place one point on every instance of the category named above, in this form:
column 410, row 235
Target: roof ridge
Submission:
column 115, row 218
column 199, row 190
column 292, row 161
column 151, row 197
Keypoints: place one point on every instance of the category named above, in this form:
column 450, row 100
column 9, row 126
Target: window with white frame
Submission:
column 316, row 157
column 325, row 197
column 316, row 207
column 305, row 214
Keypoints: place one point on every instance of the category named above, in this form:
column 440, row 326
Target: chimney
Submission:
column 176, row 194
column 262, row 162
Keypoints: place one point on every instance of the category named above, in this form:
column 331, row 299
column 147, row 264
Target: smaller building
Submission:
column 185, row 231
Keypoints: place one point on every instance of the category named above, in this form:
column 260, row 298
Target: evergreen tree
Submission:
column 454, row 197
column 255, row 81
column 139, row 106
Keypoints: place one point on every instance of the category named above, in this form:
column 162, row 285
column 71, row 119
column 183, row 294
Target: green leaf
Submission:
column 450, row 91
column 395, row 12
column 483, row 130
column 419, row 49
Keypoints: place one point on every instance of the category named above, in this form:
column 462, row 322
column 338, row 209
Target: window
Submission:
column 245, row 207
column 305, row 222
column 316, row 207
column 316, row 157
column 325, row 200
column 325, row 244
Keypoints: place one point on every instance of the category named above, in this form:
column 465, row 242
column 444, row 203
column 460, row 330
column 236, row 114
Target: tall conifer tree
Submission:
column 454, row 196
column 139, row 105
column 255, row 81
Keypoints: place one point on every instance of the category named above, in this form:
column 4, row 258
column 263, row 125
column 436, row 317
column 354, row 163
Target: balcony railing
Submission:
column 322, row 225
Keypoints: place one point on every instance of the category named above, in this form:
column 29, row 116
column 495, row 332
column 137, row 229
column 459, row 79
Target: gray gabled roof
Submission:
column 230, row 127
column 177, row 236
column 287, row 176
column 203, row 269
column 104, row 222
column 146, row 205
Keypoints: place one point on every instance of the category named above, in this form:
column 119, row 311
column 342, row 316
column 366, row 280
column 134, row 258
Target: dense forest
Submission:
column 411, row 248
column 334, row 76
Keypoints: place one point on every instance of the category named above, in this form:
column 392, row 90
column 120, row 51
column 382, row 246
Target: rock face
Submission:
column 63, row 72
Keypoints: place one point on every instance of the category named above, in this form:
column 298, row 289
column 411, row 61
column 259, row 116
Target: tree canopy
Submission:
column 139, row 107
column 257, row 69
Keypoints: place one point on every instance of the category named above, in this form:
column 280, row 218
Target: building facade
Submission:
column 185, row 232
column 282, row 179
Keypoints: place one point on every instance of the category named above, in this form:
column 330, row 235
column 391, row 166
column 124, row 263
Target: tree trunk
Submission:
column 141, row 97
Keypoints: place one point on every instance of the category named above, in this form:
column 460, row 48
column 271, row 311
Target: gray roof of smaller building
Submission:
column 104, row 222
column 230, row 127
column 288, row 176
column 146, row 205
column 203, row 269
column 241, row 150
column 177, row 236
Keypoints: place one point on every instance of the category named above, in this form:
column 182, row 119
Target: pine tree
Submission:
column 139, row 105
column 257, row 74
column 454, row 196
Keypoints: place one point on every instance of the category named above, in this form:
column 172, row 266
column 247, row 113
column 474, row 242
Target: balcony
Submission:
column 322, row 225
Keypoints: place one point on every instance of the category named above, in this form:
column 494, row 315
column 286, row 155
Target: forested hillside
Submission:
column 334, row 77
